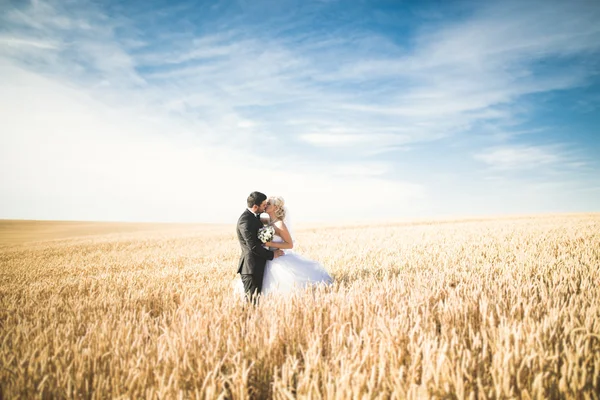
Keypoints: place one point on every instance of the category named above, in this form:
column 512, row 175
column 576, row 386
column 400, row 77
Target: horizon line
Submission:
column 457, row 217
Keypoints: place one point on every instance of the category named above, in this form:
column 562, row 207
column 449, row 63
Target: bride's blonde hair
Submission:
column 279, row 204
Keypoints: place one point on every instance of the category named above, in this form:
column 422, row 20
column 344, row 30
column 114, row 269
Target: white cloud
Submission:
column 17, row 42
column 366, row 170
column 520, row 157
column 246, row 124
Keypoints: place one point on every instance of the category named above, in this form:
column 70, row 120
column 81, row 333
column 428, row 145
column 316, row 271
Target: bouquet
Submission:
column 265, row 234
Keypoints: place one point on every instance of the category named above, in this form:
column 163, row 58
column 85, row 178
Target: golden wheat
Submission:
column 498, row 308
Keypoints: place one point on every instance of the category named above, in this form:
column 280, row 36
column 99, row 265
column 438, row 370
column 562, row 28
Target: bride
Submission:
column 290, row 271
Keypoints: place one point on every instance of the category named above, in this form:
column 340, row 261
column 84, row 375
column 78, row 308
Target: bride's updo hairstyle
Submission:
column 279, row 204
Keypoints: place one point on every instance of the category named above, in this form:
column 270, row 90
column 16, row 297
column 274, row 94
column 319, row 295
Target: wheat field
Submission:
column 477, row 308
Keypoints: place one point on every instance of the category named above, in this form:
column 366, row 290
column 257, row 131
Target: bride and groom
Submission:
column 272, row 267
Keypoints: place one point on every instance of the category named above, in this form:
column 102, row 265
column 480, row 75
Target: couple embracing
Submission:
column 272, row 267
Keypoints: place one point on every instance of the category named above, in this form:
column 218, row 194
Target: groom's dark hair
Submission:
column 256, row 199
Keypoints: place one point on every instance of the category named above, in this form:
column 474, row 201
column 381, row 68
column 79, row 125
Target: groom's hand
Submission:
column 278, row 253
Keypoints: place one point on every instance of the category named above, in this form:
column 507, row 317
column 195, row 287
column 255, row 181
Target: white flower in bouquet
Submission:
column 265, row 234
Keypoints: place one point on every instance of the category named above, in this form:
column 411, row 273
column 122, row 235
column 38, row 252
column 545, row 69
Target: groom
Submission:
column 254, row 255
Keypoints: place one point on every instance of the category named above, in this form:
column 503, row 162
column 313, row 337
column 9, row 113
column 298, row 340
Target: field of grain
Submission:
column 488, row 308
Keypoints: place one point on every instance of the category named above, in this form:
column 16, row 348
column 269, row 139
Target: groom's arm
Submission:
column 254, row 244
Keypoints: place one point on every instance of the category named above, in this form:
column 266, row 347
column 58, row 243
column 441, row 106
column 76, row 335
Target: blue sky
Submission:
column 351, row 110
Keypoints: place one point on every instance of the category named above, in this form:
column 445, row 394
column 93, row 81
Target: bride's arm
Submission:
column 281, row 230
column 282, row 245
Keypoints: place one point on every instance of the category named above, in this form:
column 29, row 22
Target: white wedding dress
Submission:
column 288, row 273
column 292, row 271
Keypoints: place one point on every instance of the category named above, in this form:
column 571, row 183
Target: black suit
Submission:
column 254, row 256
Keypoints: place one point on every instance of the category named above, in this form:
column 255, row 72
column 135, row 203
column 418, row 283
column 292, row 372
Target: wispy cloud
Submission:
column 20, row 43
column 520, row 157
column 365, row 140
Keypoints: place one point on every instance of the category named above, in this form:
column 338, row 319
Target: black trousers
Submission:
column 252, row 286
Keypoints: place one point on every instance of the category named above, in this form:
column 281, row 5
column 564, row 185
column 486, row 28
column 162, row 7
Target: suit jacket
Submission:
column 254, row 256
